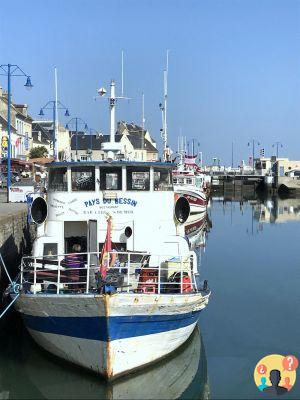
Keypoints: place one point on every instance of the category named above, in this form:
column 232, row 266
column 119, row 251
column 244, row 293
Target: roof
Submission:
column 93, row 142
column 3, row 122
column 113, row 163
column 46, row 135
column 41, row 160
column 139, row 142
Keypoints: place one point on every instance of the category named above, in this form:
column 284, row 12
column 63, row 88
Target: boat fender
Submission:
column 181, row 209
column 39, row 210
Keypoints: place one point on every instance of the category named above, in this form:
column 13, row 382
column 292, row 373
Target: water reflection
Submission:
column 277, row 210
column 26, row 371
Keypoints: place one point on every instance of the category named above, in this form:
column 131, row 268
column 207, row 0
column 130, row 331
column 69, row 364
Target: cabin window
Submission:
column 189, row 181
column 58, row 179
column 138, row 178
column 110, row 178
column 83, row 178
column 162, row 179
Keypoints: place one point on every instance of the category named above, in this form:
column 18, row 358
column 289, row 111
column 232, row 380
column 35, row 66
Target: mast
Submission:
column 56, row 117
column 164, row 130
column 112, row 106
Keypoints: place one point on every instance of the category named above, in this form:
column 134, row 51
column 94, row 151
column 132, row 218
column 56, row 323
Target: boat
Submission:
column 110, row 285
column 41, row 375
column 190, row 182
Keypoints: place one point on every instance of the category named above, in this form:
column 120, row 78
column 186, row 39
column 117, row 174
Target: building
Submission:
column 136, row 144
column 23, row 140
column 263, row 165
column 283, row 166
column 20, row 128
column 42, row 133
column 41, row 136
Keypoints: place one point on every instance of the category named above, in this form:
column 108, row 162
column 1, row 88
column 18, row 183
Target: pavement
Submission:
column 9, row 208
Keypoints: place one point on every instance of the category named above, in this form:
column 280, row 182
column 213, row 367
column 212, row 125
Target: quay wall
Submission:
column 16, row 237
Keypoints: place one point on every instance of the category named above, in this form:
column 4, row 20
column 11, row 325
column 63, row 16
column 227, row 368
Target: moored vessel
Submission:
column 111, row 285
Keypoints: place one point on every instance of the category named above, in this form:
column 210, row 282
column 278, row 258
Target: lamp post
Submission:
column 277, row 144
column 253, row 142
column 91, row 130
column 54, row 105
column 77, row 121
column 10, row 70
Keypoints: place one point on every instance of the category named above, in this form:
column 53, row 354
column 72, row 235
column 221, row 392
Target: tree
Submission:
column 38, row 152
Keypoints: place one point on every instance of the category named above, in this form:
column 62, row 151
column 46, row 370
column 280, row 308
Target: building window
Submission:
column 110, row 178
column 83, row 158
column 138, row 178
column 162, row 179
column 58, row 179
column 83, row 179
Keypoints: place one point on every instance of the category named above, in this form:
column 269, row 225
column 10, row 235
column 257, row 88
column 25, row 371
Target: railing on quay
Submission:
column 125, row 271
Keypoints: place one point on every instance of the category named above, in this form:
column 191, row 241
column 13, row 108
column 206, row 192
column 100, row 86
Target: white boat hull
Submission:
column 196, row 198
column 111, row 334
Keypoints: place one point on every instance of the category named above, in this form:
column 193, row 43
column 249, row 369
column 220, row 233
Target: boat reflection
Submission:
column 196, row 229
column 33, row 374
column 277, row 210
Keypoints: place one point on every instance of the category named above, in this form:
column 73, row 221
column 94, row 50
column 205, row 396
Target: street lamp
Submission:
column 10, row 70
column 253, row 141
column 277, row 144
column 77, row 121
column 91, row 130
column 54, row 106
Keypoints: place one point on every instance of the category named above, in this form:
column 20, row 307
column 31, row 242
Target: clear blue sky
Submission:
column 234, row 71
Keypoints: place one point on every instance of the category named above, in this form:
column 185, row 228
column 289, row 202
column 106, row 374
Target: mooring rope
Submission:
column 10, row 304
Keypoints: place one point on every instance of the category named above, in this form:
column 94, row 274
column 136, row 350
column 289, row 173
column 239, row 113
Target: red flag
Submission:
column 105, row 249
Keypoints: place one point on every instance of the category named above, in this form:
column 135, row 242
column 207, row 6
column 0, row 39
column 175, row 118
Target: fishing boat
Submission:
column 111, row 285
column 189, row 181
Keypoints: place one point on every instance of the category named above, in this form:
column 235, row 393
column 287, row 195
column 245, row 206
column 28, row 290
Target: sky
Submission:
column 234, row 67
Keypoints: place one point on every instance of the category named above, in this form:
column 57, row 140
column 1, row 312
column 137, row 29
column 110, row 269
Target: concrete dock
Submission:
column 16, row 235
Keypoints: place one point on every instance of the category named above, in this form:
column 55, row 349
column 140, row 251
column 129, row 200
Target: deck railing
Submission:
column 126, row 272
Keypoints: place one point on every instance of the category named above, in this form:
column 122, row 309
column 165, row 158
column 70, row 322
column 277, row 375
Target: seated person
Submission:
column 73, row 262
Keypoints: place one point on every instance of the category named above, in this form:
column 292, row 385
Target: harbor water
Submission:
column 252, row 262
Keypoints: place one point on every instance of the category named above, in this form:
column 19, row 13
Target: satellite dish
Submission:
column 102, row 91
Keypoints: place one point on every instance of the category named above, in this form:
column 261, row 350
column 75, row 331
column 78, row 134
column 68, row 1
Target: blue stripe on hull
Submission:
column 121, row 327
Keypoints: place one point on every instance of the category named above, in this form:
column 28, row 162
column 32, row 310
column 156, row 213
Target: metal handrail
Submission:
column 128, row 266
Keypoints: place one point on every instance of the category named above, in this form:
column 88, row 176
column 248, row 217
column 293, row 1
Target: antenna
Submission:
column 143, row 111
column 122, row 75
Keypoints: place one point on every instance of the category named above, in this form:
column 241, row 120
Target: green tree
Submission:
column 38, row 152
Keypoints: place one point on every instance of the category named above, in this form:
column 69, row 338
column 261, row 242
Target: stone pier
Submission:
column 16, row 236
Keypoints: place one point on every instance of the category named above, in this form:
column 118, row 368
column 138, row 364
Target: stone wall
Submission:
column 16, row 237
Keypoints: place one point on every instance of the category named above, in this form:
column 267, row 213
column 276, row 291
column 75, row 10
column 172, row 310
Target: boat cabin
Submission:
column 138, row 196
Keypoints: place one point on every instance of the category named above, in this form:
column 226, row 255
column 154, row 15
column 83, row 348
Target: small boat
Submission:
column 111, row 285
column 190, row 182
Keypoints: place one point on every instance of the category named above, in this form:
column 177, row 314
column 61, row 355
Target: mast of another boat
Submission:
column 164, row 130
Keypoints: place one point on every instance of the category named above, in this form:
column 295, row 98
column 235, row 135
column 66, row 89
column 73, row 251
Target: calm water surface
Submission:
column 252, row 262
